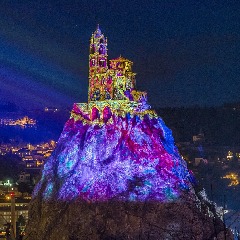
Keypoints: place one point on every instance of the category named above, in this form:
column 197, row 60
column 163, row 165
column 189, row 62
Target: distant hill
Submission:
column 221, row 126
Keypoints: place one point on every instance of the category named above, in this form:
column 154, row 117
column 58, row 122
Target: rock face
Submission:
column 121, row 178
column 125, row 158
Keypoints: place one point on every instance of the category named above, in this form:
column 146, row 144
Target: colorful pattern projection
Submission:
column 115, row 149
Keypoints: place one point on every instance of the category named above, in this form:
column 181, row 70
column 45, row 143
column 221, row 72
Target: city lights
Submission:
column 23, row 122
column 234, row 179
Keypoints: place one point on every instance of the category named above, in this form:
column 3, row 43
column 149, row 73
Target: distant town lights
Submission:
column 23, row 122
column 7, row 183
column 230, row 155
column 234, row 179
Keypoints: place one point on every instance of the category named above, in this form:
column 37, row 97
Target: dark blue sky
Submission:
column 184, row 52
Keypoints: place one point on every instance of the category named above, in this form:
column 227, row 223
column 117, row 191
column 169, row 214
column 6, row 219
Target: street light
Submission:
column 13, row 216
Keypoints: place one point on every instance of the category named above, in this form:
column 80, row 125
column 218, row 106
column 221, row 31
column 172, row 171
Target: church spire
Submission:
column 98, row 32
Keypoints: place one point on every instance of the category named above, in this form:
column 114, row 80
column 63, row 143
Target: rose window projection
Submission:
column 115, row 146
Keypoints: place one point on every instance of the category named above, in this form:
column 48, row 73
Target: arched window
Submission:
column 95, row 113
column 106, row 113
column 102, row 63
column 92, row 49
column 93, row 61
column 107, row 95
column 101, row 49
column 96, row 96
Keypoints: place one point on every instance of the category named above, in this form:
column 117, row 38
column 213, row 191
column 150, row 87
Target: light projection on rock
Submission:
column 115, row 146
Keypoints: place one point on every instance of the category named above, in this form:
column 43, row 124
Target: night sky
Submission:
column 185, row 53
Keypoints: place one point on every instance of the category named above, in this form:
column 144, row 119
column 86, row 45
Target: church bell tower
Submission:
column 99, row 82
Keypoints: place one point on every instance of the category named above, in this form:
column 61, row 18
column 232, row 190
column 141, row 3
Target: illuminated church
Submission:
column 116, row 82
column 112, row 89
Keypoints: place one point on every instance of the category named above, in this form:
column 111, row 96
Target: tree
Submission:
column 21, row 220
column 24, row 188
